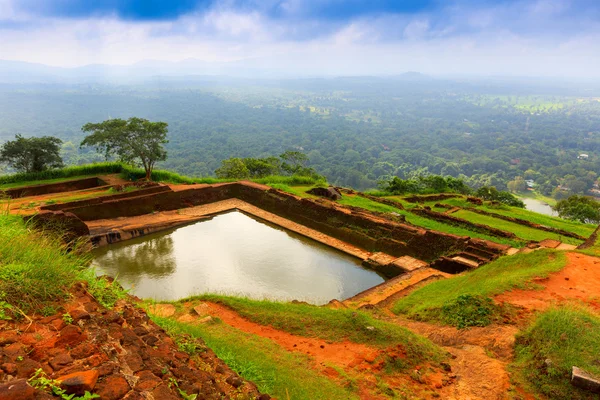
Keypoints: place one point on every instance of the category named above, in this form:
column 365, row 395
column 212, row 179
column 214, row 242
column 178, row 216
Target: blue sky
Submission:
column 329, row 37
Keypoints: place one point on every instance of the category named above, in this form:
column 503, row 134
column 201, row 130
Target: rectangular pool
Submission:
column 233, row 254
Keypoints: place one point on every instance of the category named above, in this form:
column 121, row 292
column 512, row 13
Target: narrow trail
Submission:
column 479, row 357
column 578, row 280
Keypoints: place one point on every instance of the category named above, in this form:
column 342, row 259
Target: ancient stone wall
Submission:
column 67, row 186
column 99, row 200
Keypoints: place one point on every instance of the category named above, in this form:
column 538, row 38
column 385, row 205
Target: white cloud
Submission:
column 497, row 40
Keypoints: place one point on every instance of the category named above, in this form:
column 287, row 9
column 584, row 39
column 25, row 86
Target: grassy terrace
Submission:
column 417, row 220
column 501, row 275
column 522, row 231
column 571, row 226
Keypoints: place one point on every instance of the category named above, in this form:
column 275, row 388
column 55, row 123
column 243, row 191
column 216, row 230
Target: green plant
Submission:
column 468, row 310
column 67, row 319
column 5, row 311
column 40, row 380
column 105, row 292
column 47, row 311
column 173, row 384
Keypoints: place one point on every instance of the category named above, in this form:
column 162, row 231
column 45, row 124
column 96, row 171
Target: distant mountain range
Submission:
column 25, row 72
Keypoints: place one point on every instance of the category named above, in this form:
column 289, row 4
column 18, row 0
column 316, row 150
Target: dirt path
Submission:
column 579, row 280
column 480, row 357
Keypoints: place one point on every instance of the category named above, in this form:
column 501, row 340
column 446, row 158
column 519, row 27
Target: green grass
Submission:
column 36, row 269
column 499, row 276
column 132, row 174
column 275, row 371
column 335, row 325
column 567, row 336
column 522, row 231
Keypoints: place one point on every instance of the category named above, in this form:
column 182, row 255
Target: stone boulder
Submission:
column 328, row 192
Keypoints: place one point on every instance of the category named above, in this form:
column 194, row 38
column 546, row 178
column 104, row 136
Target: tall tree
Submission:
column 33, row 154
column 134, row 141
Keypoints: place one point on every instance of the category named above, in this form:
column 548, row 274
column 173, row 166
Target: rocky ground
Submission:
column 117, row 354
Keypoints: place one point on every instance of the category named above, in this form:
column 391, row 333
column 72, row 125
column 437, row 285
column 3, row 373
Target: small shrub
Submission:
column 468, row 310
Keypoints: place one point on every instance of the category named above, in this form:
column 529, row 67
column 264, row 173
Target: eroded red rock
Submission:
column 79, row 382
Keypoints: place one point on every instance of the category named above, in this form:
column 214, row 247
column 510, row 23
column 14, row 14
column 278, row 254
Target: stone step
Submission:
column 484, row 253
column 472, row 263
column 474, row 257
column 450, row 265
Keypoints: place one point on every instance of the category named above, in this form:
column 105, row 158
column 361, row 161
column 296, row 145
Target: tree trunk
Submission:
column 148, row 174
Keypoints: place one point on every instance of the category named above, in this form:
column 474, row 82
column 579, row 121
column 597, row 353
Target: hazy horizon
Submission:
column 286, row 38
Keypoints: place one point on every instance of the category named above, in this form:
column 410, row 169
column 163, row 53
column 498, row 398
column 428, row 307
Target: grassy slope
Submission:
column 567, row 336
column 34, row 276
column 503, row 274
column 329, row 324
column 275, row 371
column 522, row 231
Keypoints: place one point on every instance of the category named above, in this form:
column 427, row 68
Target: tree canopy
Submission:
column 288, row 163
column 33, row 154
column 136, row 141
column 579, row 208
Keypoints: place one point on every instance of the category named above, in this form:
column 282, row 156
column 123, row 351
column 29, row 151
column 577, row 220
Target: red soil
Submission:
column 344, row 354
column 579, row 280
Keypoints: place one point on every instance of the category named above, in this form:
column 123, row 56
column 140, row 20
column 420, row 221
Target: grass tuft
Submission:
column 37, row 270
column 557, row 340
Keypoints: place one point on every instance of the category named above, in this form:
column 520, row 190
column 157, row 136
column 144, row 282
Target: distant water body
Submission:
column 539, row 207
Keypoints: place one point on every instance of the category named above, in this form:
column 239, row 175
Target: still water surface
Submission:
column 538, row 206
column 233, row 254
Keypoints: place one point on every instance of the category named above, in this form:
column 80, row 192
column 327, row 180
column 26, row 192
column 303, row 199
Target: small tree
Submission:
column 233, row 168
column 579, row 208
column 33, row 154
column 135, row 141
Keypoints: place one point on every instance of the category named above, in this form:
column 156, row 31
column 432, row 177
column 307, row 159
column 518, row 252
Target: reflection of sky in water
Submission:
column 233, row 254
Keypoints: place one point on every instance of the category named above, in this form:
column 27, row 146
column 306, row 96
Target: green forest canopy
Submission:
column 355, row 131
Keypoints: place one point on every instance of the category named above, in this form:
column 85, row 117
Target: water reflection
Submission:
column 539, row 206
column 233, row 254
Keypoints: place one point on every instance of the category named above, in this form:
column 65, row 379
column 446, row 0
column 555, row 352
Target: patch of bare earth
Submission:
column 479, row 358
column 579, row 280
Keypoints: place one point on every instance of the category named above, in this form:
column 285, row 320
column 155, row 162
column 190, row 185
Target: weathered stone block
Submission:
column 585, row 380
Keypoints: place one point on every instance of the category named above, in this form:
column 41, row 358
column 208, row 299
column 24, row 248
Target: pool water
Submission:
column 233, row 254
